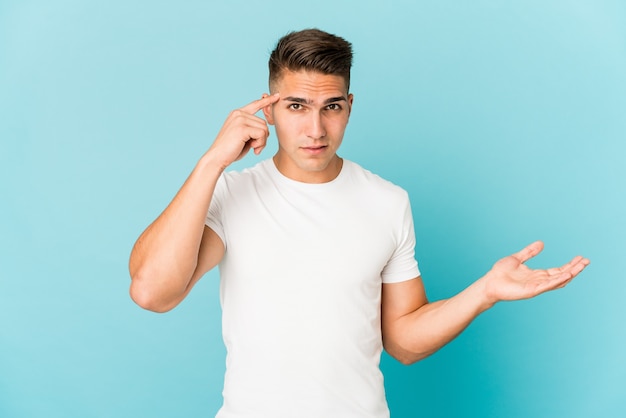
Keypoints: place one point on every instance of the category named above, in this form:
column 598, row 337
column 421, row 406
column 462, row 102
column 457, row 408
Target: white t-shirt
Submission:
column 301, row 289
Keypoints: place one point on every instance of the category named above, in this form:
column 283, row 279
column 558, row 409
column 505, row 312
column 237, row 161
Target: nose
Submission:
column 315, row 128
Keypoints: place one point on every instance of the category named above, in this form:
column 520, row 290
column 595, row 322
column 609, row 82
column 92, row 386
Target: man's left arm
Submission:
column 414, row 328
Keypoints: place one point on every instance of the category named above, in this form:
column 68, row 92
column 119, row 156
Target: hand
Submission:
column 511, row 279
column 242, row 131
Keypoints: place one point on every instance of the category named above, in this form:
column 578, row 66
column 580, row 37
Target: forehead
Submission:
column 309, row 84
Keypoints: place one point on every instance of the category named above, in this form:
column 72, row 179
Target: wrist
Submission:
column 212, row 162
column 484, row 295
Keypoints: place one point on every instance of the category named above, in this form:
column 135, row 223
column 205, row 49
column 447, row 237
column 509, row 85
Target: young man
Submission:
column 316, row 254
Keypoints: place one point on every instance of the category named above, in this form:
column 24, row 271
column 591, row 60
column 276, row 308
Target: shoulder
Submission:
column 259, row 169
column 373, row 183
column 235, row 185
column 245, row 177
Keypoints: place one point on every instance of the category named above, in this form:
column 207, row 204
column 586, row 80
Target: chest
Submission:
column 334, row 239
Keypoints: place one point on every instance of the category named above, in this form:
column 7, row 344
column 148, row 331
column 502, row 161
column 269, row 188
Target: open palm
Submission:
column 511, row 279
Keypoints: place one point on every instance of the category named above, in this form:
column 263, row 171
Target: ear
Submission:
column 350, row 100
column 267, row 112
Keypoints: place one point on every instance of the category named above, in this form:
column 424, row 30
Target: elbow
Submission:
column 412, row 359
column 404, row 356
column 146, row 297
column 404, row 359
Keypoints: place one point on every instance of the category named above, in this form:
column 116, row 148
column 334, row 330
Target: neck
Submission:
column 303, row 175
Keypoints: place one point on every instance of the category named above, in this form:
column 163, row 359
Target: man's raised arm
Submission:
column 413, row 328
column 173, row 253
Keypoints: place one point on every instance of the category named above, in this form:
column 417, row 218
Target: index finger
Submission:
column 257, row 105
column 529, row 252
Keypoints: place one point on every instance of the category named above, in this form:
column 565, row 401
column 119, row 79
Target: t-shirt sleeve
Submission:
column 214, row 214
column 402, row 265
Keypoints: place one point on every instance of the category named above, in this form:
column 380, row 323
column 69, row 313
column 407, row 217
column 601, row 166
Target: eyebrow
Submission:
column 306, row 101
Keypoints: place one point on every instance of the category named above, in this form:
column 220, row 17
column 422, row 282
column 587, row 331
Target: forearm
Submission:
column 413, row 328
column 165, row 256
column 422, row 332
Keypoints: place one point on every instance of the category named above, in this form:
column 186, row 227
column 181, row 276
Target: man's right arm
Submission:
column 177, row 249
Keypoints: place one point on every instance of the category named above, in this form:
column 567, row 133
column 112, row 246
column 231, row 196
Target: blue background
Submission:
column 505, row 121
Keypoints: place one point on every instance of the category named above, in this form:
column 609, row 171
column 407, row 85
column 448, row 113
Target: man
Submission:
column 316, row 254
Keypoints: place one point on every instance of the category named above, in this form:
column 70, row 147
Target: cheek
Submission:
column 338, row 125
column 288, row 126
column 286, row 132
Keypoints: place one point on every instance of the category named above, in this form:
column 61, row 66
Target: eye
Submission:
column 295, row 106
column 334, row 106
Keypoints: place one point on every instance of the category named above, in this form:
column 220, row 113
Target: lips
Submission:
column 316, row 149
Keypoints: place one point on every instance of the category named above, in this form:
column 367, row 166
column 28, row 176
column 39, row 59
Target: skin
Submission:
column 310, row 112
column 413, row 328
column 177, row 249
column 310, row 120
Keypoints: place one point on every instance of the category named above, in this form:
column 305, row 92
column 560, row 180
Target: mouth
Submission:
column 315, row 149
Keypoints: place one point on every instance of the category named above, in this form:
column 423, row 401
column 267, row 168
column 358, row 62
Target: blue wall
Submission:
column 505, row 121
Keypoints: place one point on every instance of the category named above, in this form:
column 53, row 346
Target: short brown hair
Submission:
column 311, row 50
